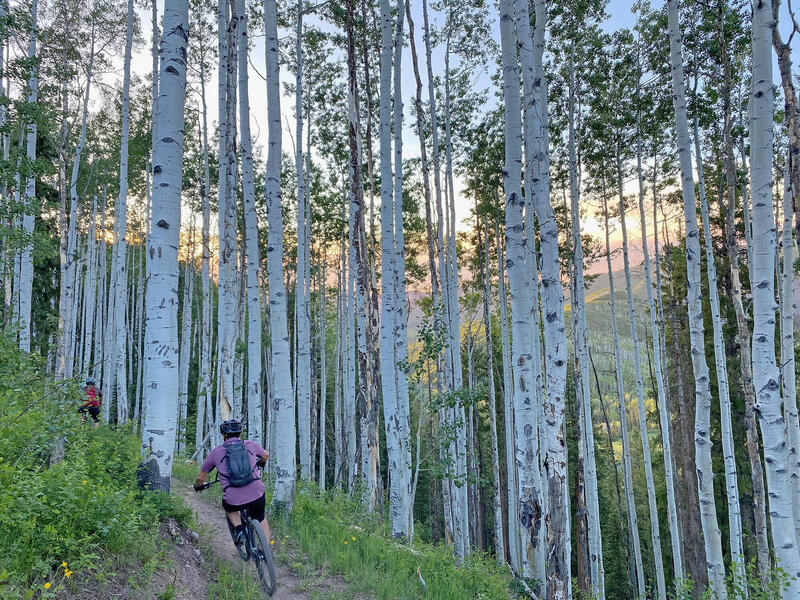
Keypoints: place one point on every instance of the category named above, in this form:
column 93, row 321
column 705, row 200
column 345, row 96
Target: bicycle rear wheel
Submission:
column 262, row 557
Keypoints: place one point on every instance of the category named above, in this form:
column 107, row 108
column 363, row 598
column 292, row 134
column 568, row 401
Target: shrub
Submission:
column 81, row 506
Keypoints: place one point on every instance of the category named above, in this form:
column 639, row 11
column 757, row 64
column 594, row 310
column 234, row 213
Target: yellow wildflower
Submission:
column 84, row 482
column 47, row 585
column 345, row 541
column 64, row 564
column 354, row 539
column 67, row 573
column 272, row 542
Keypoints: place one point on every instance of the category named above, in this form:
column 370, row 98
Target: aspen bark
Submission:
column 529, row 502
column 558, row 580
column 120, row 242
column 630, row 501
column 255, row 419
column 705, row 480
column 788, row 372
column 302, row 311
column 637, row 362
column 581, row 350
column 25, row 286
column 161, row 302
column 766, row 372
column 499, row 537
column 283, row 401
column 737, row 558
column 514, row 537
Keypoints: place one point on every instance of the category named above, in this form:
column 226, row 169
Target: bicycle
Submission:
column 255, row 547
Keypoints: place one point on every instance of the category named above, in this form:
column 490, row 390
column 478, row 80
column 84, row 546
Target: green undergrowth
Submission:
column 333, row 531
column 68, row 497
column 335, row 534
column 231, row 583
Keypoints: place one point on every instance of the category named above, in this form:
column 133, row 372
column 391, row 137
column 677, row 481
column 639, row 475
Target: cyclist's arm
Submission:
column 262, row 460
column 207, row 466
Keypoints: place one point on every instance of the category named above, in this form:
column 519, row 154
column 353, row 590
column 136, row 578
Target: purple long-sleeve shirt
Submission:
column 236, row 496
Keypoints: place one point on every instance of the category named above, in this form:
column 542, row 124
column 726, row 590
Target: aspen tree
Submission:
column 766, row 372
column 558, row 580
column 23, row 300
column 743, row 337
column 161, row 302
column 705, row 480
column 227, row 406
column 529, row 503
column 302, row 284
column 499, row 536
column 255, row 424
column 723, row 389
column 787, row 309
column 637, row 363
column 581, row 350
column 283, row 409
column 514, row 537
column 120, row 242
column 630, row 500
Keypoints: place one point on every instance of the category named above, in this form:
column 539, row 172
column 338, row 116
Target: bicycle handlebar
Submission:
column 205, row 486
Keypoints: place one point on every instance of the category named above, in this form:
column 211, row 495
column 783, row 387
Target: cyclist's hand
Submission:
column 198, row 488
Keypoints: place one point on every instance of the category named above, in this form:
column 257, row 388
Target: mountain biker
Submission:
column 91, row 404
column 234, row 499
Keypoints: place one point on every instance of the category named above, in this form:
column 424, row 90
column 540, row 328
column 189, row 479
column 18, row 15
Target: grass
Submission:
column 335, row 535
column 232, row 584
column 332, row 531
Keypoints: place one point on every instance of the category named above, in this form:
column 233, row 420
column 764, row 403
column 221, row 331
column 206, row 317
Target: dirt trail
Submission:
column 290, row 587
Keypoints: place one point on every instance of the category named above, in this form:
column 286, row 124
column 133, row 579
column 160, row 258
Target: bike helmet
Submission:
column 90, row 381
column 230, row 427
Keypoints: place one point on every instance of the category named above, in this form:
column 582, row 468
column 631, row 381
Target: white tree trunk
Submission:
column 283, row 401
column 393, row 379
column 766, row 373
column 661, row 387
column 90, row 295
column 120, row 244
column 255, row 420
column 364, row 307
column 788, row 372
column 514, row 532
column 557, row 535
column 302, row 310
column 642, row 410
column 731, row 478
column 529, row 500
column 705, row 477
column 161, row 302
column 24, row 298
column 204, row 391
column 460, row 486
column 323, row 369
column 226, row 305
column 582, row 353
column 185, row 342
column 630, row 501
column 70, row 287
column 499, row 537
column 338, row 421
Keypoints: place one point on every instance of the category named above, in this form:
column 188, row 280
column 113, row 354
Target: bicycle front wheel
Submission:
column 262, row 557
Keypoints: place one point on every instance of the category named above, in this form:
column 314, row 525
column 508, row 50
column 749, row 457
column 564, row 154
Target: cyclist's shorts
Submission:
column 94, row 411
column 255, row 508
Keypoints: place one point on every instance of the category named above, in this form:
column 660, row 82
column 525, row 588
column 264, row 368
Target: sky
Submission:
column 620, row 16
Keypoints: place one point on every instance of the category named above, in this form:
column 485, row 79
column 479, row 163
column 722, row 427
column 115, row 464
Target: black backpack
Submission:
column 237, row 460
